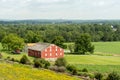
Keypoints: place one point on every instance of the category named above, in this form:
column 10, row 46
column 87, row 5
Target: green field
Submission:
column 22, row 72
column 93, row 59
column 95, row 63
column 107, row 47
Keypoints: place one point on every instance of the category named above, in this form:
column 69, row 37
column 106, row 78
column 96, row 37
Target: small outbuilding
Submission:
column 46, row 50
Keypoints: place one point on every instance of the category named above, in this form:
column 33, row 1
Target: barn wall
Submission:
column 34, row 53
column 52, row 51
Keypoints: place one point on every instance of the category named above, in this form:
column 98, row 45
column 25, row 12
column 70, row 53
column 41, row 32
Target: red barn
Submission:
column 46, row 51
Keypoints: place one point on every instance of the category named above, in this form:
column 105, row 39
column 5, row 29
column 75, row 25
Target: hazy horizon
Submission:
column 60, row 9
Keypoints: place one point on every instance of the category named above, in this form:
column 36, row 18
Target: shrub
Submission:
column 24, row 60
column 60, row 62
column 0, row 55
column 54, row 68
column 84, row 70
column 12, row 59
column 41, row 63
column 98, row 76
column 61, row 69
column 113, row 76
column 47, row 64
column 72, row 69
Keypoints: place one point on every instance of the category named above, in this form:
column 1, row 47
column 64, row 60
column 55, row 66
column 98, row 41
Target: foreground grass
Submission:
column 22, row 72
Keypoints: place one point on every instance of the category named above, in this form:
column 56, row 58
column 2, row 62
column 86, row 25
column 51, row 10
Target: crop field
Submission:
column 22, row 72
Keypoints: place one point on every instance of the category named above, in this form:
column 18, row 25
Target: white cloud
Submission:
column 81, row 9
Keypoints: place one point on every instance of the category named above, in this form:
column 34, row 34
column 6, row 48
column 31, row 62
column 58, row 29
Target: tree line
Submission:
column 47, row 32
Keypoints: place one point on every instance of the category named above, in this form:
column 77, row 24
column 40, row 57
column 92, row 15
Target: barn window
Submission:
column 60, row 53
column 56, row 54
column 50, row 49
column 60, row 49
column 45, row 54
column 45, row 50
column 56, row 49
column 50, row 54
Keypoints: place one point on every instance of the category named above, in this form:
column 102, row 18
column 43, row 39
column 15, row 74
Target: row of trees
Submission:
column 46, row 32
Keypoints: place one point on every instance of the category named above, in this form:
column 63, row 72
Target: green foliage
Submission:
column 24, row 60
column 84, row 70
column 12, row 42
column 98, row 76
column 83, row 44
column 1, row 56
column 59, row 40
column 61, row 62
column 113, row 76
column 41, row 63
column 72, row 69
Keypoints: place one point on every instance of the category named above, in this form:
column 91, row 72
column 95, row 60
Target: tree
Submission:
column 12, row 42
column 83, row 44
column 59, row 40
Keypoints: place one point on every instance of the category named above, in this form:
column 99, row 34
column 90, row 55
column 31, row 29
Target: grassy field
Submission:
column 107, row 47
column 93, row 59
column 94, row 63
column 22, row 72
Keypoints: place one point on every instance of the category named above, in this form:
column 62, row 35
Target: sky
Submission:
column 60, row 9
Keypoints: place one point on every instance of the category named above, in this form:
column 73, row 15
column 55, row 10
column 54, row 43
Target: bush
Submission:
column 113, row 76
column 0, row 55
column 61, row 69
column 98, row 76
column 12, row 59
column 24, row 60
column 41, row 63
column 72, row 69
column 60, row 62
column 84, row 70
column 54, row 68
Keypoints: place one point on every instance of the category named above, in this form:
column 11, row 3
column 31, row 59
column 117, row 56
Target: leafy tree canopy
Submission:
column 12, row 42
column 83, row 44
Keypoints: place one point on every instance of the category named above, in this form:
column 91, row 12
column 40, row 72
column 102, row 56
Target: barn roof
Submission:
column 39, row 46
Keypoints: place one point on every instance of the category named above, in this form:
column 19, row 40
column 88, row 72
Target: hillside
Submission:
column 21, row 72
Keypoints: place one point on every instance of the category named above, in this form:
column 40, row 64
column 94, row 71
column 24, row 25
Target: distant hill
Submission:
column 57, row 21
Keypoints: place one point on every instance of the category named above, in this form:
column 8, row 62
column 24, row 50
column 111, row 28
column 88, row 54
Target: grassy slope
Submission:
column 21, row 72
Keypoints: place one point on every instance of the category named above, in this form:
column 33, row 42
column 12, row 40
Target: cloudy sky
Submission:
column 60, row 9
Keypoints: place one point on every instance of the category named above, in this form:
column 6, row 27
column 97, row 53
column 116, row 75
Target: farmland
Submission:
column 105, row 58
column 22, row 72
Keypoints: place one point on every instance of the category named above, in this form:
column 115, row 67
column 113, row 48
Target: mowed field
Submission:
column 107, row 47
column 22, row 72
